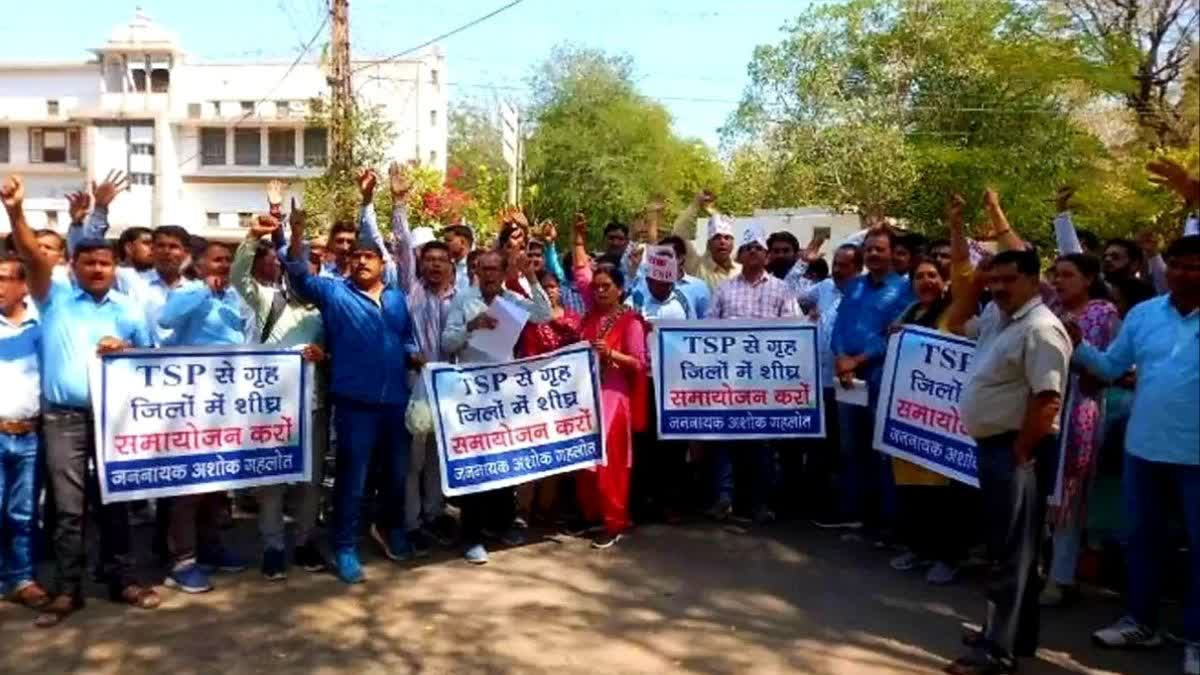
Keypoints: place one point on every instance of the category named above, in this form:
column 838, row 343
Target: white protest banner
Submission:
column 748, row 379
column 918, row 417
column 510, row 423
column 189, row 420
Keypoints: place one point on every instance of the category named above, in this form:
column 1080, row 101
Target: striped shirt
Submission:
column 764, row 298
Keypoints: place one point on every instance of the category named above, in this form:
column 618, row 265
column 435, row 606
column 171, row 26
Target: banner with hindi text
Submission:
column 509, row 423
column 918, row 418
column 190, row 420
column 737, row 379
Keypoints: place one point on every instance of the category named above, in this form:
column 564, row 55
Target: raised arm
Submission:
column 240, row 275
column 1109, row 364
column 1006, row 239
column 402, row 244
column 12, row 193
column 1064, row 230
column 295, row 264
column 964, row 291
column 370, row 229
column 685, row 228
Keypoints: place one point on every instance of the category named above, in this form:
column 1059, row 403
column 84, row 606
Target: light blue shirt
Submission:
column 825, row 297
column 1164, row 346
column 198, row 317
column 19, row 346
column 676, row 306
column 697, row 292
column 73, row 323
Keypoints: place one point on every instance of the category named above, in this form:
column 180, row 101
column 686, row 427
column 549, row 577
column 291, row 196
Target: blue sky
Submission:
column 683, row 51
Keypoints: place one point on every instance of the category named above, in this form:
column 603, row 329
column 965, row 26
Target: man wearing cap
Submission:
column 369, row 333
column 752, row 294
column 658, row 298
column 717, row 263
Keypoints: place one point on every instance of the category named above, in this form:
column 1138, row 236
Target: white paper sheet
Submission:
column 857, row 394
column 498, row 342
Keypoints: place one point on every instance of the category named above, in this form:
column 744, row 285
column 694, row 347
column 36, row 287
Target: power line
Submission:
column 299, row 57
column 443, row 36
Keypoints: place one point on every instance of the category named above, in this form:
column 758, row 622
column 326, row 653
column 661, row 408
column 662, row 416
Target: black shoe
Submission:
column 421, row 543
column 274, row 565
column 441, row 530
column 983, row 663
column 310, row 559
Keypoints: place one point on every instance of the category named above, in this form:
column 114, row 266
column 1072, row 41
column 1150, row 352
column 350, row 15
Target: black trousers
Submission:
column 1014, row 512
column 492, row 510
column 70, row 443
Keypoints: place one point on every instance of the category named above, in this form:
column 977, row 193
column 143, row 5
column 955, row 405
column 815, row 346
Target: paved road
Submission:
column 703, row 598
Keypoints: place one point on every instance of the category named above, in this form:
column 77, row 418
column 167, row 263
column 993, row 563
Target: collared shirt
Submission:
column 369, row 340
column 764, row 298
column 199, row 317
column 73, row 323
column 1015, row 359
column 1164, row 347
column 825, row 297
column 697, row 292
column 430, row 310
column 469, row 304
column 298, row 323
column 462, row 274
column 676, row 305
column 19, row 345
column 796, row 280
column 701, row 266
column 866, row 310
column 153, row 297
column 571, row 298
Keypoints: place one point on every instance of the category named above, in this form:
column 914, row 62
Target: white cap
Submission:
column 661, row 265
column 752, row 233
column 422, row 236
column 719, row 224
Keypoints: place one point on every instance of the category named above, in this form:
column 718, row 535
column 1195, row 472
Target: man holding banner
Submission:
column 80, row 318
column 468, row 316
column 752, row 294
column 1011, row 406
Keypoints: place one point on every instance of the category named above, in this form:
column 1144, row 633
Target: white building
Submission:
column 199, row 140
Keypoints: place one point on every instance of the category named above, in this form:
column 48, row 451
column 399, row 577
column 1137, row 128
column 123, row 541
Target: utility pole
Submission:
column 339, row 80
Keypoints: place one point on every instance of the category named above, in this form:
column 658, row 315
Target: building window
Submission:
column 195, row 110
column 141, row 149
column 52, row 107
column 247, row 147
column 433, row 76
column 141, row 179
column 247, row 107
column 433, row 156
column 822, row 232
column 244, row 218
column 281, row 147
column 212, row 147
column 282, row 109
column 316, row 151
column 160, row 80
column 54, row 146
column 4, row 146
column 139, row 79
column 212, row 219
column 52, row 219
column 433, row 118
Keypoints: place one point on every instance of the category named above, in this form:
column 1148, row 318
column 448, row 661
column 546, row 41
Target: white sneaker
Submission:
column 906, row 561
column 1127, row 633
column 1191, row 658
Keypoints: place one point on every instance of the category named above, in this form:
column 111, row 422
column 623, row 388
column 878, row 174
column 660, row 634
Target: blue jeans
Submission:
column 18, row 462
column 361, row 428
column 867, row 484
column 1146, row 486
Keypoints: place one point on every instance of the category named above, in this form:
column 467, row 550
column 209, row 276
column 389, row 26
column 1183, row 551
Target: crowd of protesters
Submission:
column 1113, row 329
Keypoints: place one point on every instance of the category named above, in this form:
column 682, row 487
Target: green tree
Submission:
column 885, row 106
column 476, row 165
column 600, row 147
column 333, row 195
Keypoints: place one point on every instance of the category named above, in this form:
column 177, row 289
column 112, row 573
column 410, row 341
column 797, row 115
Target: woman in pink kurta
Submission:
column 619, row 338
column 1083, row 300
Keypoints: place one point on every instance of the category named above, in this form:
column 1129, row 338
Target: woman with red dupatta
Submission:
column 618, row 336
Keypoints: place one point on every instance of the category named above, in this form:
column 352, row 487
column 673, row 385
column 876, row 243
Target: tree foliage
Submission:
column 476, row 166
column 600, row 147
column 885, row 106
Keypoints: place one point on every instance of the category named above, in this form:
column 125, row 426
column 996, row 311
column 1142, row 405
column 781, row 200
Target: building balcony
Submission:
column 235, row 173
column 133, row 104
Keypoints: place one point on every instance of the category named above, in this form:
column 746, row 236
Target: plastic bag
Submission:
column 418, row 416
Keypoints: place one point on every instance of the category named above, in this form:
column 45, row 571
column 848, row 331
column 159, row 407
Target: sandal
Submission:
column 57, row 610
column 30, row 595
column 138, row 596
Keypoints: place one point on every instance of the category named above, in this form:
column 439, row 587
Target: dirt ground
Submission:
column 700, row 598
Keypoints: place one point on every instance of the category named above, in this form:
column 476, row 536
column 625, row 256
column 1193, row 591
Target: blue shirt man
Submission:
column 870, row 303
column 369, row 335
